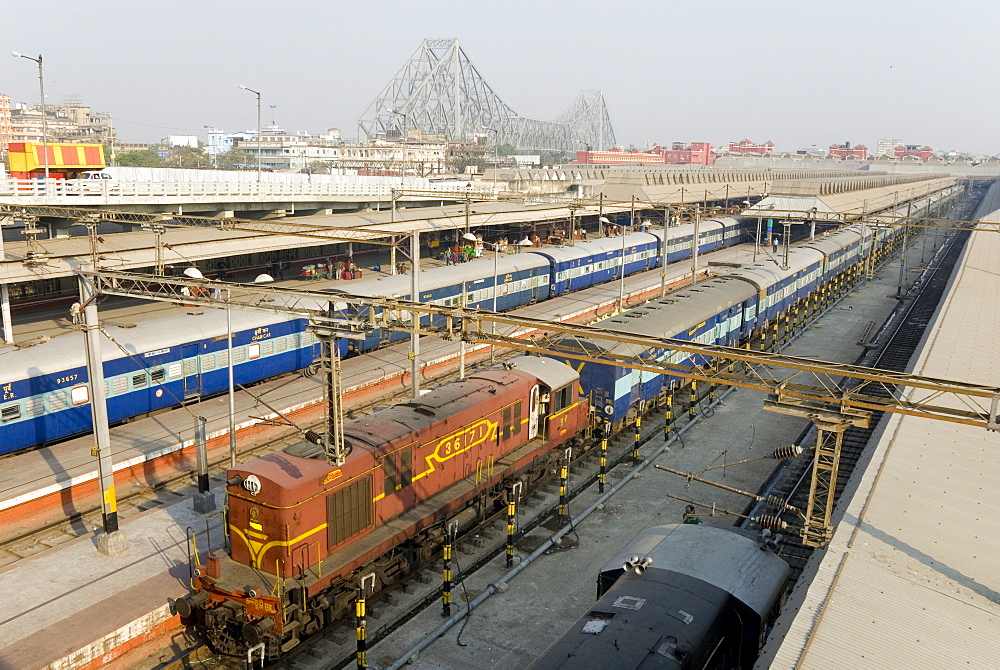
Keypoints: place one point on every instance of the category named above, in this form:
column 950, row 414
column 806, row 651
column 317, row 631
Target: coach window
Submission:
column 10, row 413
column 253, row 351
column 79, row 395
column 35, row 406
column 158, row 375
column 139, row 380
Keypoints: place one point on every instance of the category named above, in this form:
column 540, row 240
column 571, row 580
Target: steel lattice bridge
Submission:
column 439, row 91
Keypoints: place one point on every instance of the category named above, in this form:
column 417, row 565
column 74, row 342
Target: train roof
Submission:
column 592, row 247
column 549, row 371
column 68, row 351
column 677, row 312
column 686, row 229
column 391, row 423
column 723, row 558
column 833, row 241
column 449, row 275
column 765, row 273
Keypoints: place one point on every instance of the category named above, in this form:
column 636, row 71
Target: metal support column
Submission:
column 112, row 540
column 415, row 317
column 8, row 324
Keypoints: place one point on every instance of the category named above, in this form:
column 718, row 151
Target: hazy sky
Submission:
column 795, row 72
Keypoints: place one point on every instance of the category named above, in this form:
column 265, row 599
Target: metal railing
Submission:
column 107, row 191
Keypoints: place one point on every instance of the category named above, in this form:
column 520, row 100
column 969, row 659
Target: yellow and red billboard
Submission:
column 67, row 159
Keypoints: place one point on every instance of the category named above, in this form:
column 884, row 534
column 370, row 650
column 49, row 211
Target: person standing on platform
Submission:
column 75, row 312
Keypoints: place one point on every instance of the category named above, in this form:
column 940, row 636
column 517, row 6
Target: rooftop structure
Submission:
column 746, row 146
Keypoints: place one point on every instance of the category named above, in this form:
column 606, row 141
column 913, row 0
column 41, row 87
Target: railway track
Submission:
column 901, row 336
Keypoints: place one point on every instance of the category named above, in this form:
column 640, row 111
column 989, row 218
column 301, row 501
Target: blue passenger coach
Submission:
column 587, row 263
column 47, row 397
column 711, row 313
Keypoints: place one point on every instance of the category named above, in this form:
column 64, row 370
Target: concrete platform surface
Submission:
column 70, row 606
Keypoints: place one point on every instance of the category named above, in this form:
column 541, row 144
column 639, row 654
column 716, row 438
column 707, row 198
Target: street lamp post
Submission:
column 257, row 93
column 41, row 93
column 496, row 156
column 402, row 138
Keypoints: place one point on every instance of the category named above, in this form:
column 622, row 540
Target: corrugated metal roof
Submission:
column 912, row 576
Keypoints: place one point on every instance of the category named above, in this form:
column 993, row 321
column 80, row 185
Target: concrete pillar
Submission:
column 8, row 326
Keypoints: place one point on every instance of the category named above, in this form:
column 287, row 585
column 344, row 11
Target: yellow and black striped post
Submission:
column 602, row 476
column 361, row 621
column 784, row 332
column 712, row 385
column 763, row 336
column 446, row 574
column 774, row 340
column 563, row 477
column 694, row 399
column 638, row 436
column 511, row 521
column 668, row 419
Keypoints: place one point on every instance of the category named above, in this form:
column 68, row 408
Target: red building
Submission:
column 745, row 146
column 701, row 153
column 903, row 150
column 845, row 150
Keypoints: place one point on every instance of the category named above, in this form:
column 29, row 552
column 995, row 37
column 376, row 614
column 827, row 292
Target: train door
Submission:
column 533, row 412
column 192, row 372
column 535, row 284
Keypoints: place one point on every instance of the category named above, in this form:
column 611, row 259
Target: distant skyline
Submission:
column 795, row 73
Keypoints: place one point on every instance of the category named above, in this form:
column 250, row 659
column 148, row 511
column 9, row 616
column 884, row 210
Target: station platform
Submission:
column 73, row 607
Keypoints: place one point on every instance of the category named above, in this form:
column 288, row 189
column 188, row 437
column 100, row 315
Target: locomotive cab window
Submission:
column 563, row 398
column 397, row 469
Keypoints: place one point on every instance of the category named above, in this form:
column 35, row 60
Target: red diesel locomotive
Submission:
column 302, row 533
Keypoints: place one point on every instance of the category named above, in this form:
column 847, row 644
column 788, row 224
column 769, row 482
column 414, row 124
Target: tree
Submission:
column 507, row 150
column 147, row 158
column 188, row 157
column 552, row 157
column 234, row 159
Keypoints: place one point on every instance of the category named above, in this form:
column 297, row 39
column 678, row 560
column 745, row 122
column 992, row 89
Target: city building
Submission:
column 181, row 141
column 6, row 130
column 701, row 153
column 887, row 147
column 845, row 150
column 922, row 152
column 70, row 122
column 746, row 146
